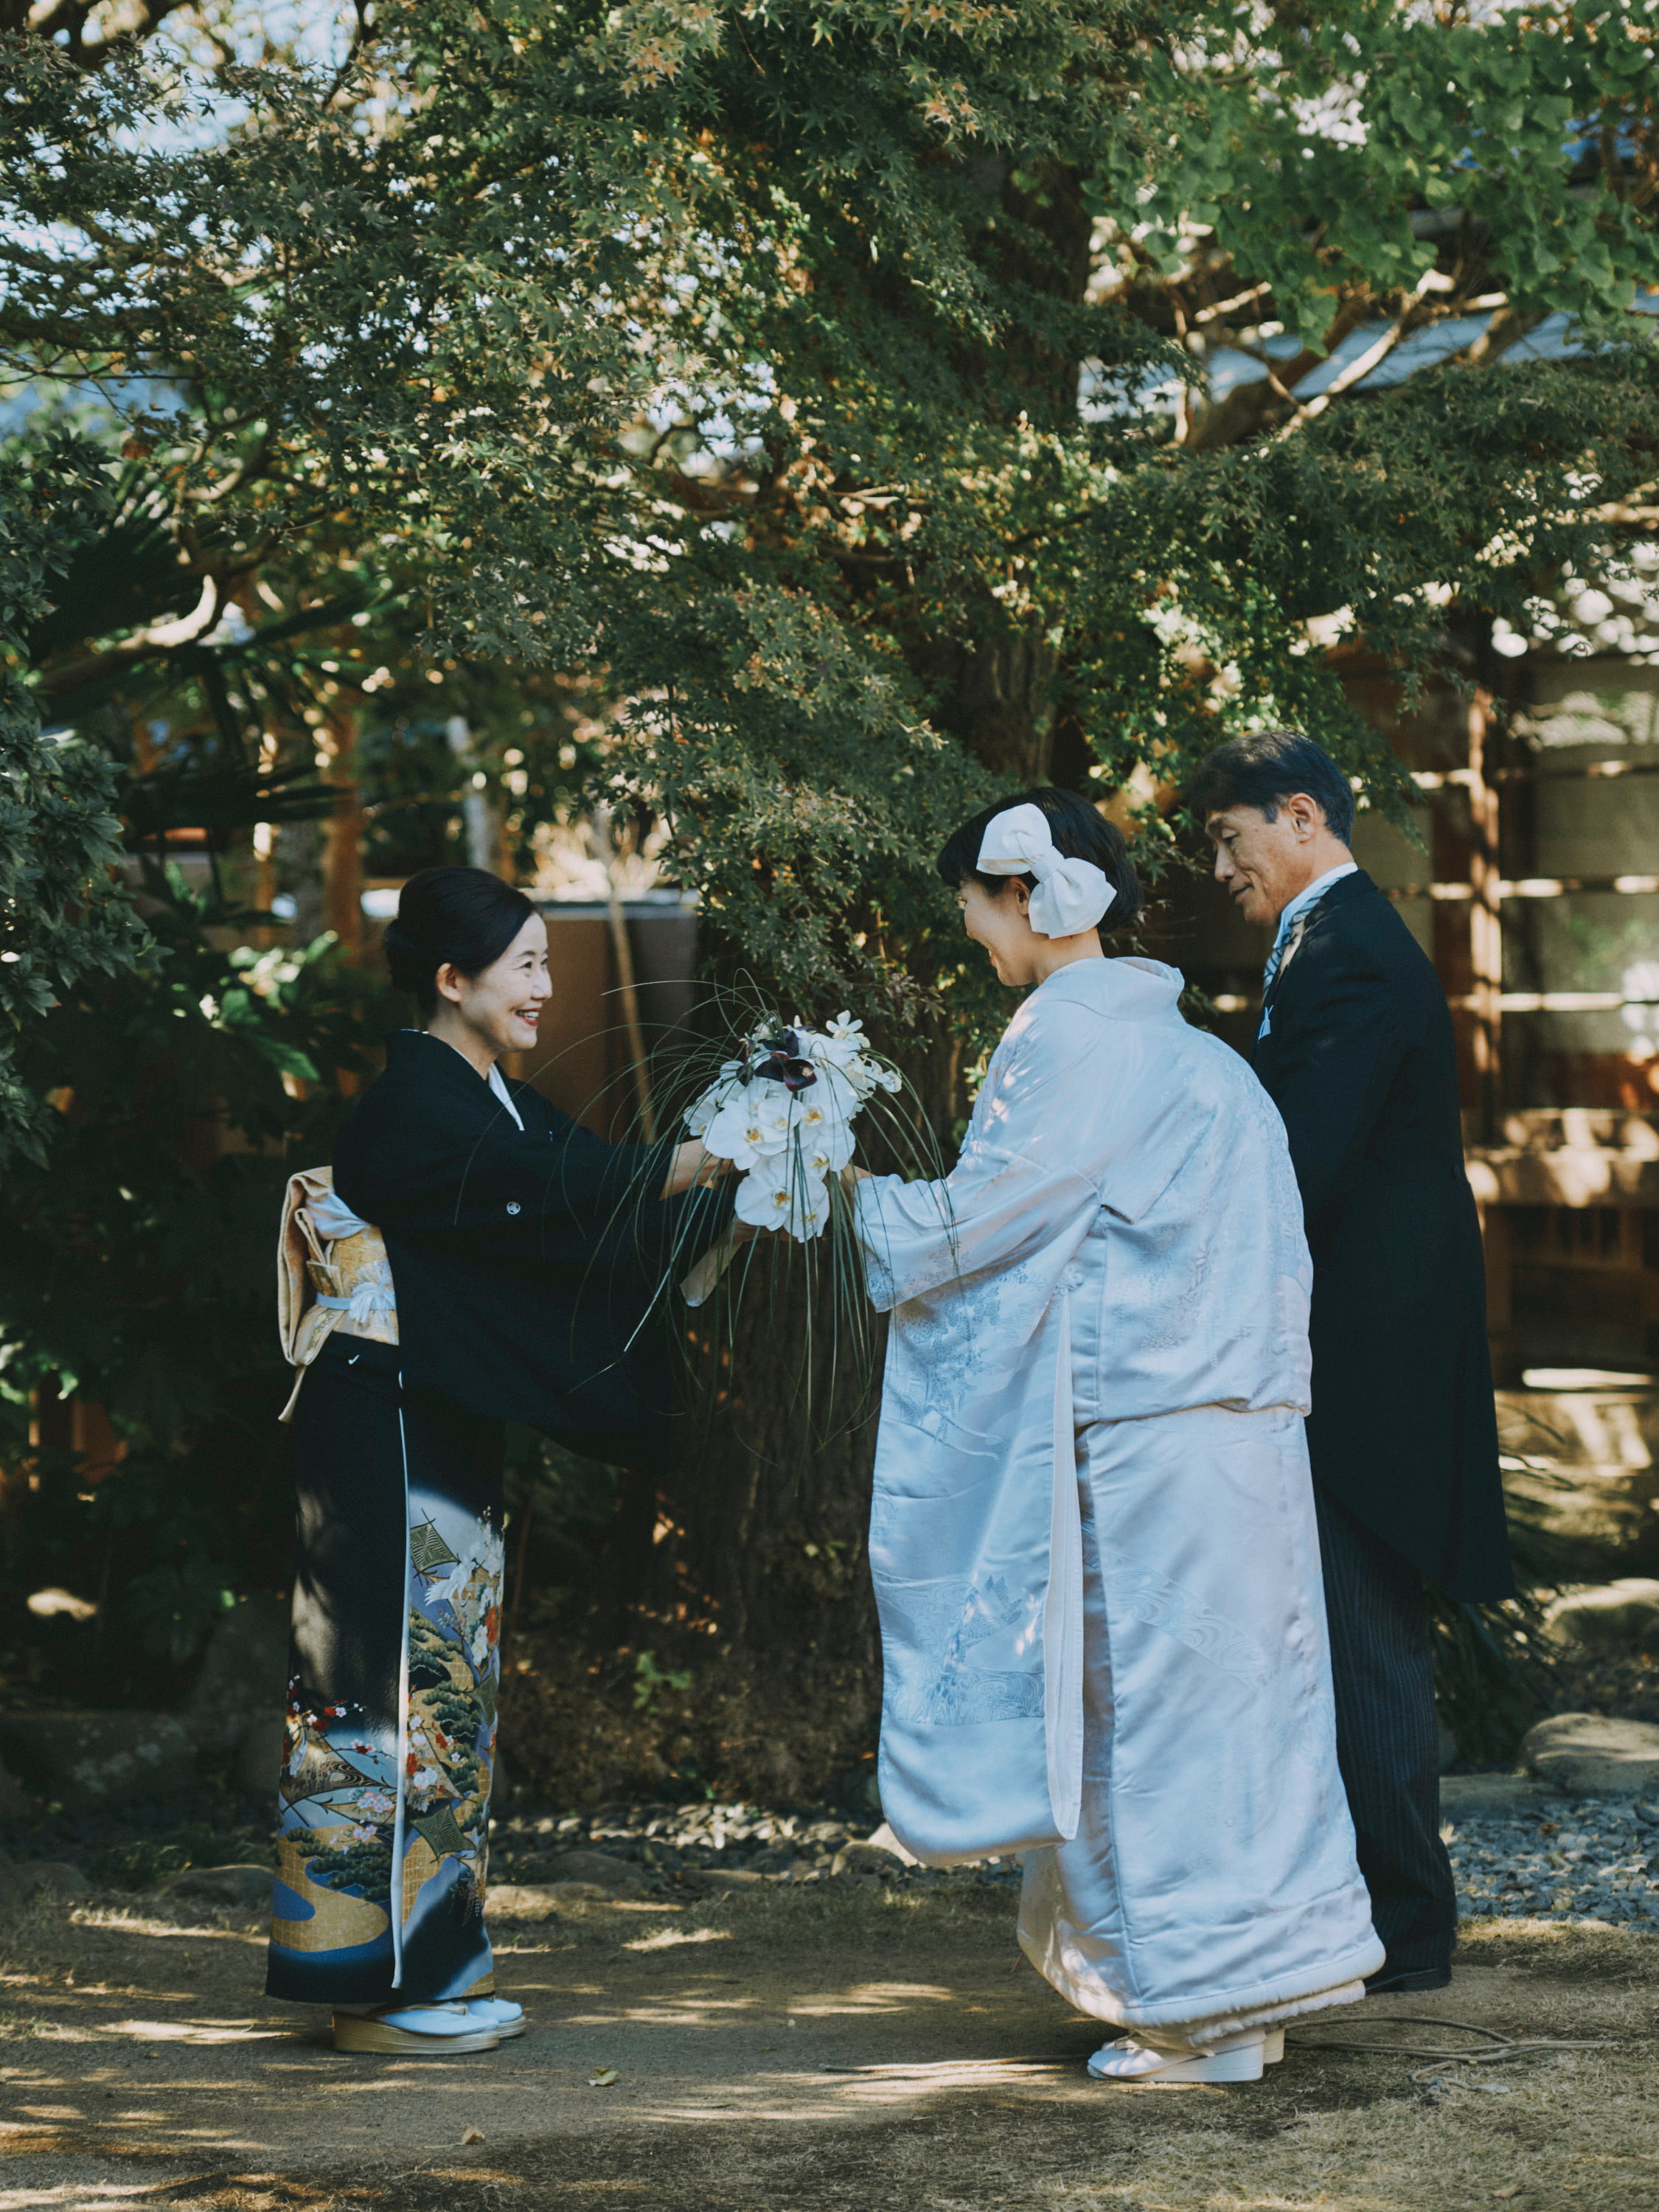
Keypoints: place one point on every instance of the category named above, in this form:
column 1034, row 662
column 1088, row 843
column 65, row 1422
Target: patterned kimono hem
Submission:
column 385, row 1788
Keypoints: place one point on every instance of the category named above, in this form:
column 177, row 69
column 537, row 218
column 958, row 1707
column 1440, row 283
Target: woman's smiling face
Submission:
column 503, row 1003
column 1000, row 922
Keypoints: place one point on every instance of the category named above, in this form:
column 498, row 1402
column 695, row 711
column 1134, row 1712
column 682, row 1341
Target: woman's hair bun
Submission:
column 462, row 917
column 407, row 961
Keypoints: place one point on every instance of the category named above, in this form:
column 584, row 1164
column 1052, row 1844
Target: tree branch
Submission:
column 159, row 637
column 50, row 19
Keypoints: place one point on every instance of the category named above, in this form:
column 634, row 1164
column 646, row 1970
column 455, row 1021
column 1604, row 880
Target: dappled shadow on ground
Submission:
column 824, row 2048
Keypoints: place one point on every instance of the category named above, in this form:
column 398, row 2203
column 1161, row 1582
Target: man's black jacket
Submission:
column 523, row 1260
column 1359, row 1057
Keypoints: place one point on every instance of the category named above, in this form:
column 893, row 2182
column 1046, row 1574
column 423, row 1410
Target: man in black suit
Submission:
column 1355, row 1048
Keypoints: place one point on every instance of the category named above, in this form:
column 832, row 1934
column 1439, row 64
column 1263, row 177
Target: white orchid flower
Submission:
column 698, row 1116
column 827, row 1158
column 778, row 1193
column 824, row 1127
column 751, row 1127
column 834, row 1092
column 843, row 1043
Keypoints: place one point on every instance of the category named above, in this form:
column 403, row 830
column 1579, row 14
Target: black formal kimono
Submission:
column 524, row 1260
column 1358, row 1053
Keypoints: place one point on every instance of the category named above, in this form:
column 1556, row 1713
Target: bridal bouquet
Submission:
column 785, row 1104
column 782, row 1111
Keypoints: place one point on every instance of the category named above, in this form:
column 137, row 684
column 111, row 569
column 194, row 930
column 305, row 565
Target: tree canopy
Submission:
column 792, row 421
column 738, row 349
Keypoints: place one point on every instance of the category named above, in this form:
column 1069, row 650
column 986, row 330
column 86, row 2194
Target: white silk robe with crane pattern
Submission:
column 1093, row 1536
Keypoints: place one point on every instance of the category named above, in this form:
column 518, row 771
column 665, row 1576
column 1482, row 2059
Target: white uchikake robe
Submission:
column 1091, row 1444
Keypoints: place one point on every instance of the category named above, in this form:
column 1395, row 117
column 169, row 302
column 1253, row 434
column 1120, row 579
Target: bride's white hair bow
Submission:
column 1071, row 895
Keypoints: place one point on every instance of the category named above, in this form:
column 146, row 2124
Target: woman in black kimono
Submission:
column 523, row 1253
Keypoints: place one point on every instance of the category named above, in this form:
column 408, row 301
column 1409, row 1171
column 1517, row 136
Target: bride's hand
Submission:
column 852, row 1176
column 694, row 1165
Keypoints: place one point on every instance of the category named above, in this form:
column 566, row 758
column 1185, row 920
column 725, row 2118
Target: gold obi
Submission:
column 326, row 1284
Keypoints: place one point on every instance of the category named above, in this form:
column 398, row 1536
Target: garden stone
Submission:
column 616, row 1877
column 248, row 1886
column 854, row 1859
column 27, row 1878
column 243, row 1674
column 1492, row 1796
column 540, row 1901
column 259, row 1759
column 1586, row 1755
column 776, row 1858
column 86, row 1761
column 1626, row 1612
column 715, row 1879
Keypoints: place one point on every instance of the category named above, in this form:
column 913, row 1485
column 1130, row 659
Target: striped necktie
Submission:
column 1280, row 955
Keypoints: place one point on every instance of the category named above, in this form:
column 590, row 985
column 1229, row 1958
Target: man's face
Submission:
column 1262, row 864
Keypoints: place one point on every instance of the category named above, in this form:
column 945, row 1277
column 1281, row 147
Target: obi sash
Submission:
column 332, row 1268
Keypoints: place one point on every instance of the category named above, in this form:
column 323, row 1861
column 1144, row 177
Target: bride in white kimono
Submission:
column 1093, row 1536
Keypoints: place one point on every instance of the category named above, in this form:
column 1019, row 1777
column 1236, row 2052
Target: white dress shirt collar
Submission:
column 1305, row 899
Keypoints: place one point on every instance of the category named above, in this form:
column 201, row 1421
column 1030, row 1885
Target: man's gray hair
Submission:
column 1264, row 770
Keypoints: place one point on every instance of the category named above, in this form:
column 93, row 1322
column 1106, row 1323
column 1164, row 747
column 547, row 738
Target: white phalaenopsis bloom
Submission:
column 783, row 1111
column 749, row 1127
column 779, row 1192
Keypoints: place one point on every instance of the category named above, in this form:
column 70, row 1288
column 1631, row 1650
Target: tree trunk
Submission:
column 765, row 1534
column 994, row 695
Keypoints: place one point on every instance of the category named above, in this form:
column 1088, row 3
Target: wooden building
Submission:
column 1535, row 891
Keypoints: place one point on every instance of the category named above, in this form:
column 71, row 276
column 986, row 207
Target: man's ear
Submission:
column 1307, row 813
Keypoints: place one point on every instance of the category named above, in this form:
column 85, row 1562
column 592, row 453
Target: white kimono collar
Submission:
column 1126, row 989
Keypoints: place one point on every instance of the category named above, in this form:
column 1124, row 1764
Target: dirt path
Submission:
column 828, row 2047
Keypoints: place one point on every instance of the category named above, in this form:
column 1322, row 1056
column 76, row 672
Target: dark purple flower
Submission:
column 783, row 1062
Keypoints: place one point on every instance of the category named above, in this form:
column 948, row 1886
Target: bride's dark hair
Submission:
column 1080, row 831
column 463, row 916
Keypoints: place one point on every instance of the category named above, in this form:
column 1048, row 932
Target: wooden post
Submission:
column 342, row 837
column 1485, row 921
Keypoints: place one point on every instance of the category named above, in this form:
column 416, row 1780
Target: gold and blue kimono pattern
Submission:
column 385, row 1786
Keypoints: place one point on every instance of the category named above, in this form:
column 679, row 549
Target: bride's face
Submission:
column 1000, row 921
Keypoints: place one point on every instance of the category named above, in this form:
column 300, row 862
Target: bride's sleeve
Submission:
column 1073, row 1120
column 995, row 1210
column 1021, row 1196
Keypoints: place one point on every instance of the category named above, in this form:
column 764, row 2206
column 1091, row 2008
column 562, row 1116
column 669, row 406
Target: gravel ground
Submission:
column 799, row 1844
column 1594, row 1858
column 1583, row 1859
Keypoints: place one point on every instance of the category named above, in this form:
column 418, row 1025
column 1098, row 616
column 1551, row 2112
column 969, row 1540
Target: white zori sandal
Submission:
column 499, row 2013
column 420, row 2031
column 1234, row 2058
